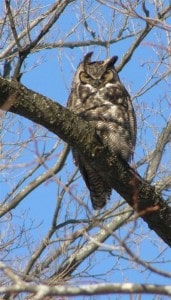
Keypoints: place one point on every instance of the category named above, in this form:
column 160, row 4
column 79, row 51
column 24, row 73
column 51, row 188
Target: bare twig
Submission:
column 36, row 182
column 156, row 156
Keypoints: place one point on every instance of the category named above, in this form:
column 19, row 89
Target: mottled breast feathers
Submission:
column 98, row 96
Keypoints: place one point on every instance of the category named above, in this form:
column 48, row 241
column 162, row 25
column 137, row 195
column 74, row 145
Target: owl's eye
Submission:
column 107, row 76
column 84, row 77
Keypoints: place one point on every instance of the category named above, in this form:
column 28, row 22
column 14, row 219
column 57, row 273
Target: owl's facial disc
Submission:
column 107, row 76
column 85, row 78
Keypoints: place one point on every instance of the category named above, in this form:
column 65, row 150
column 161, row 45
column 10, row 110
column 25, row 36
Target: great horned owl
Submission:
column 98, row 96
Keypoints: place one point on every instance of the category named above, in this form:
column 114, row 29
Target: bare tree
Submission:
column 52, row 243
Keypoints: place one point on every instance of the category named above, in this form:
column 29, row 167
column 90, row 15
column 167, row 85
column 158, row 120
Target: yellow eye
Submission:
column 84, row 77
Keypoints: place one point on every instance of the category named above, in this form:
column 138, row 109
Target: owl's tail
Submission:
column 100, row 191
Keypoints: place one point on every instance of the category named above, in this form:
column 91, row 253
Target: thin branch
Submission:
column 13, row 26
column 10, row 49
column 29, row 173
column 147, row 87
column 39, row 249
column 40, row 291
column 139, row 39
column 77, row 257
column 127, row 56
column 60, row 6
column 78, row 44
column 163, row 184
column 156, row 156
column 36, row 182
column 68, row 265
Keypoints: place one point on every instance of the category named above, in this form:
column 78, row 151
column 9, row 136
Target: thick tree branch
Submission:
column 78, row 133
column 41, row 291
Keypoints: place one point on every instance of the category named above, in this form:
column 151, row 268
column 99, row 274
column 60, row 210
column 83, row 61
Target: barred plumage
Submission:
column 98, row 96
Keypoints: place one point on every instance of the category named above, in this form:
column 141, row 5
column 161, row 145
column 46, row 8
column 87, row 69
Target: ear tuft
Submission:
column 87, row 57
column 111, row 61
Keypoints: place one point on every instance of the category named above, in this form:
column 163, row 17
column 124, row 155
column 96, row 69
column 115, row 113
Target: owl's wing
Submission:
column 100, row 191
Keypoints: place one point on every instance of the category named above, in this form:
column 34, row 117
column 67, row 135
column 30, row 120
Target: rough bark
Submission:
column 138, row 193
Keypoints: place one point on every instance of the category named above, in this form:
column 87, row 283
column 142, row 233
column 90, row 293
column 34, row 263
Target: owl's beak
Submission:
column 110, row 61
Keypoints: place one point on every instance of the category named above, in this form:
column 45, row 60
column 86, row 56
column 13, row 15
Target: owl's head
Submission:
column 97, row 73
